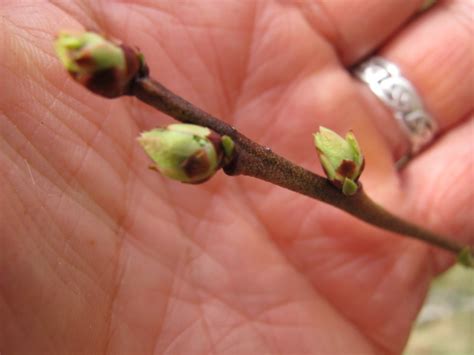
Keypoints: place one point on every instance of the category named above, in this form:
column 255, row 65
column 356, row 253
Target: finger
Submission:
column 435, row 54
column 356, row 28
column 442, row 180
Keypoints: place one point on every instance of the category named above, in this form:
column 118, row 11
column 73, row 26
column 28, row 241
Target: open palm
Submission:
column 98, row 254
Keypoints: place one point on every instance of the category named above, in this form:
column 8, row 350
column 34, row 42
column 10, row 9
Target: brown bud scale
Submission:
column 197, row 164
column 347, row 168
column 216, row 141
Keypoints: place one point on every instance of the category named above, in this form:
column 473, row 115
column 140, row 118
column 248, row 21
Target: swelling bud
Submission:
column 341, row 158
column 465, row 257
column 104, row 66
column 185, row 152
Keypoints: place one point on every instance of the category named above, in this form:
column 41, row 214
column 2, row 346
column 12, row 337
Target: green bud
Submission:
column 342, row 159
column 185, row 152
column 465, row 257
column 102, row 65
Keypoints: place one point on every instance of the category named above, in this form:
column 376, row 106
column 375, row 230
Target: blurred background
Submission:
column 445, row 325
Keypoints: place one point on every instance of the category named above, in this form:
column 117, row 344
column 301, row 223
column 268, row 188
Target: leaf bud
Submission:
column 465, row 257
column 186, row 152
column 104, row 66
column 341, row 158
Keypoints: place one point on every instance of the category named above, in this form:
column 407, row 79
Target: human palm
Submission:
column 100, row 254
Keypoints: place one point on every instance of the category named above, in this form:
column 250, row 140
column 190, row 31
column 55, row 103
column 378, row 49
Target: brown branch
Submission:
column 254, row 160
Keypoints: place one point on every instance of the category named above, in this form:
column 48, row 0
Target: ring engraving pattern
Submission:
column 391, row 87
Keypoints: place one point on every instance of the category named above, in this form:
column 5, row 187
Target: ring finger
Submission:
column 435, row 54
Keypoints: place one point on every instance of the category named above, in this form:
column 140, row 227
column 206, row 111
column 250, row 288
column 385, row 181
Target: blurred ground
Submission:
column 445, row 325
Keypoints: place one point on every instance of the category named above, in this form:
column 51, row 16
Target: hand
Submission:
column 98, row 254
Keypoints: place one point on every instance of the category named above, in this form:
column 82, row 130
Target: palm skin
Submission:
column 101, row 255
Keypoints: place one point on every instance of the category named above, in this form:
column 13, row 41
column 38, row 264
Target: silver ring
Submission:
column 393, row 89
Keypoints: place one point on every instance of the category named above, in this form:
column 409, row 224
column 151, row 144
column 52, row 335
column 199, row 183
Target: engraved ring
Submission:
column 386, row 81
